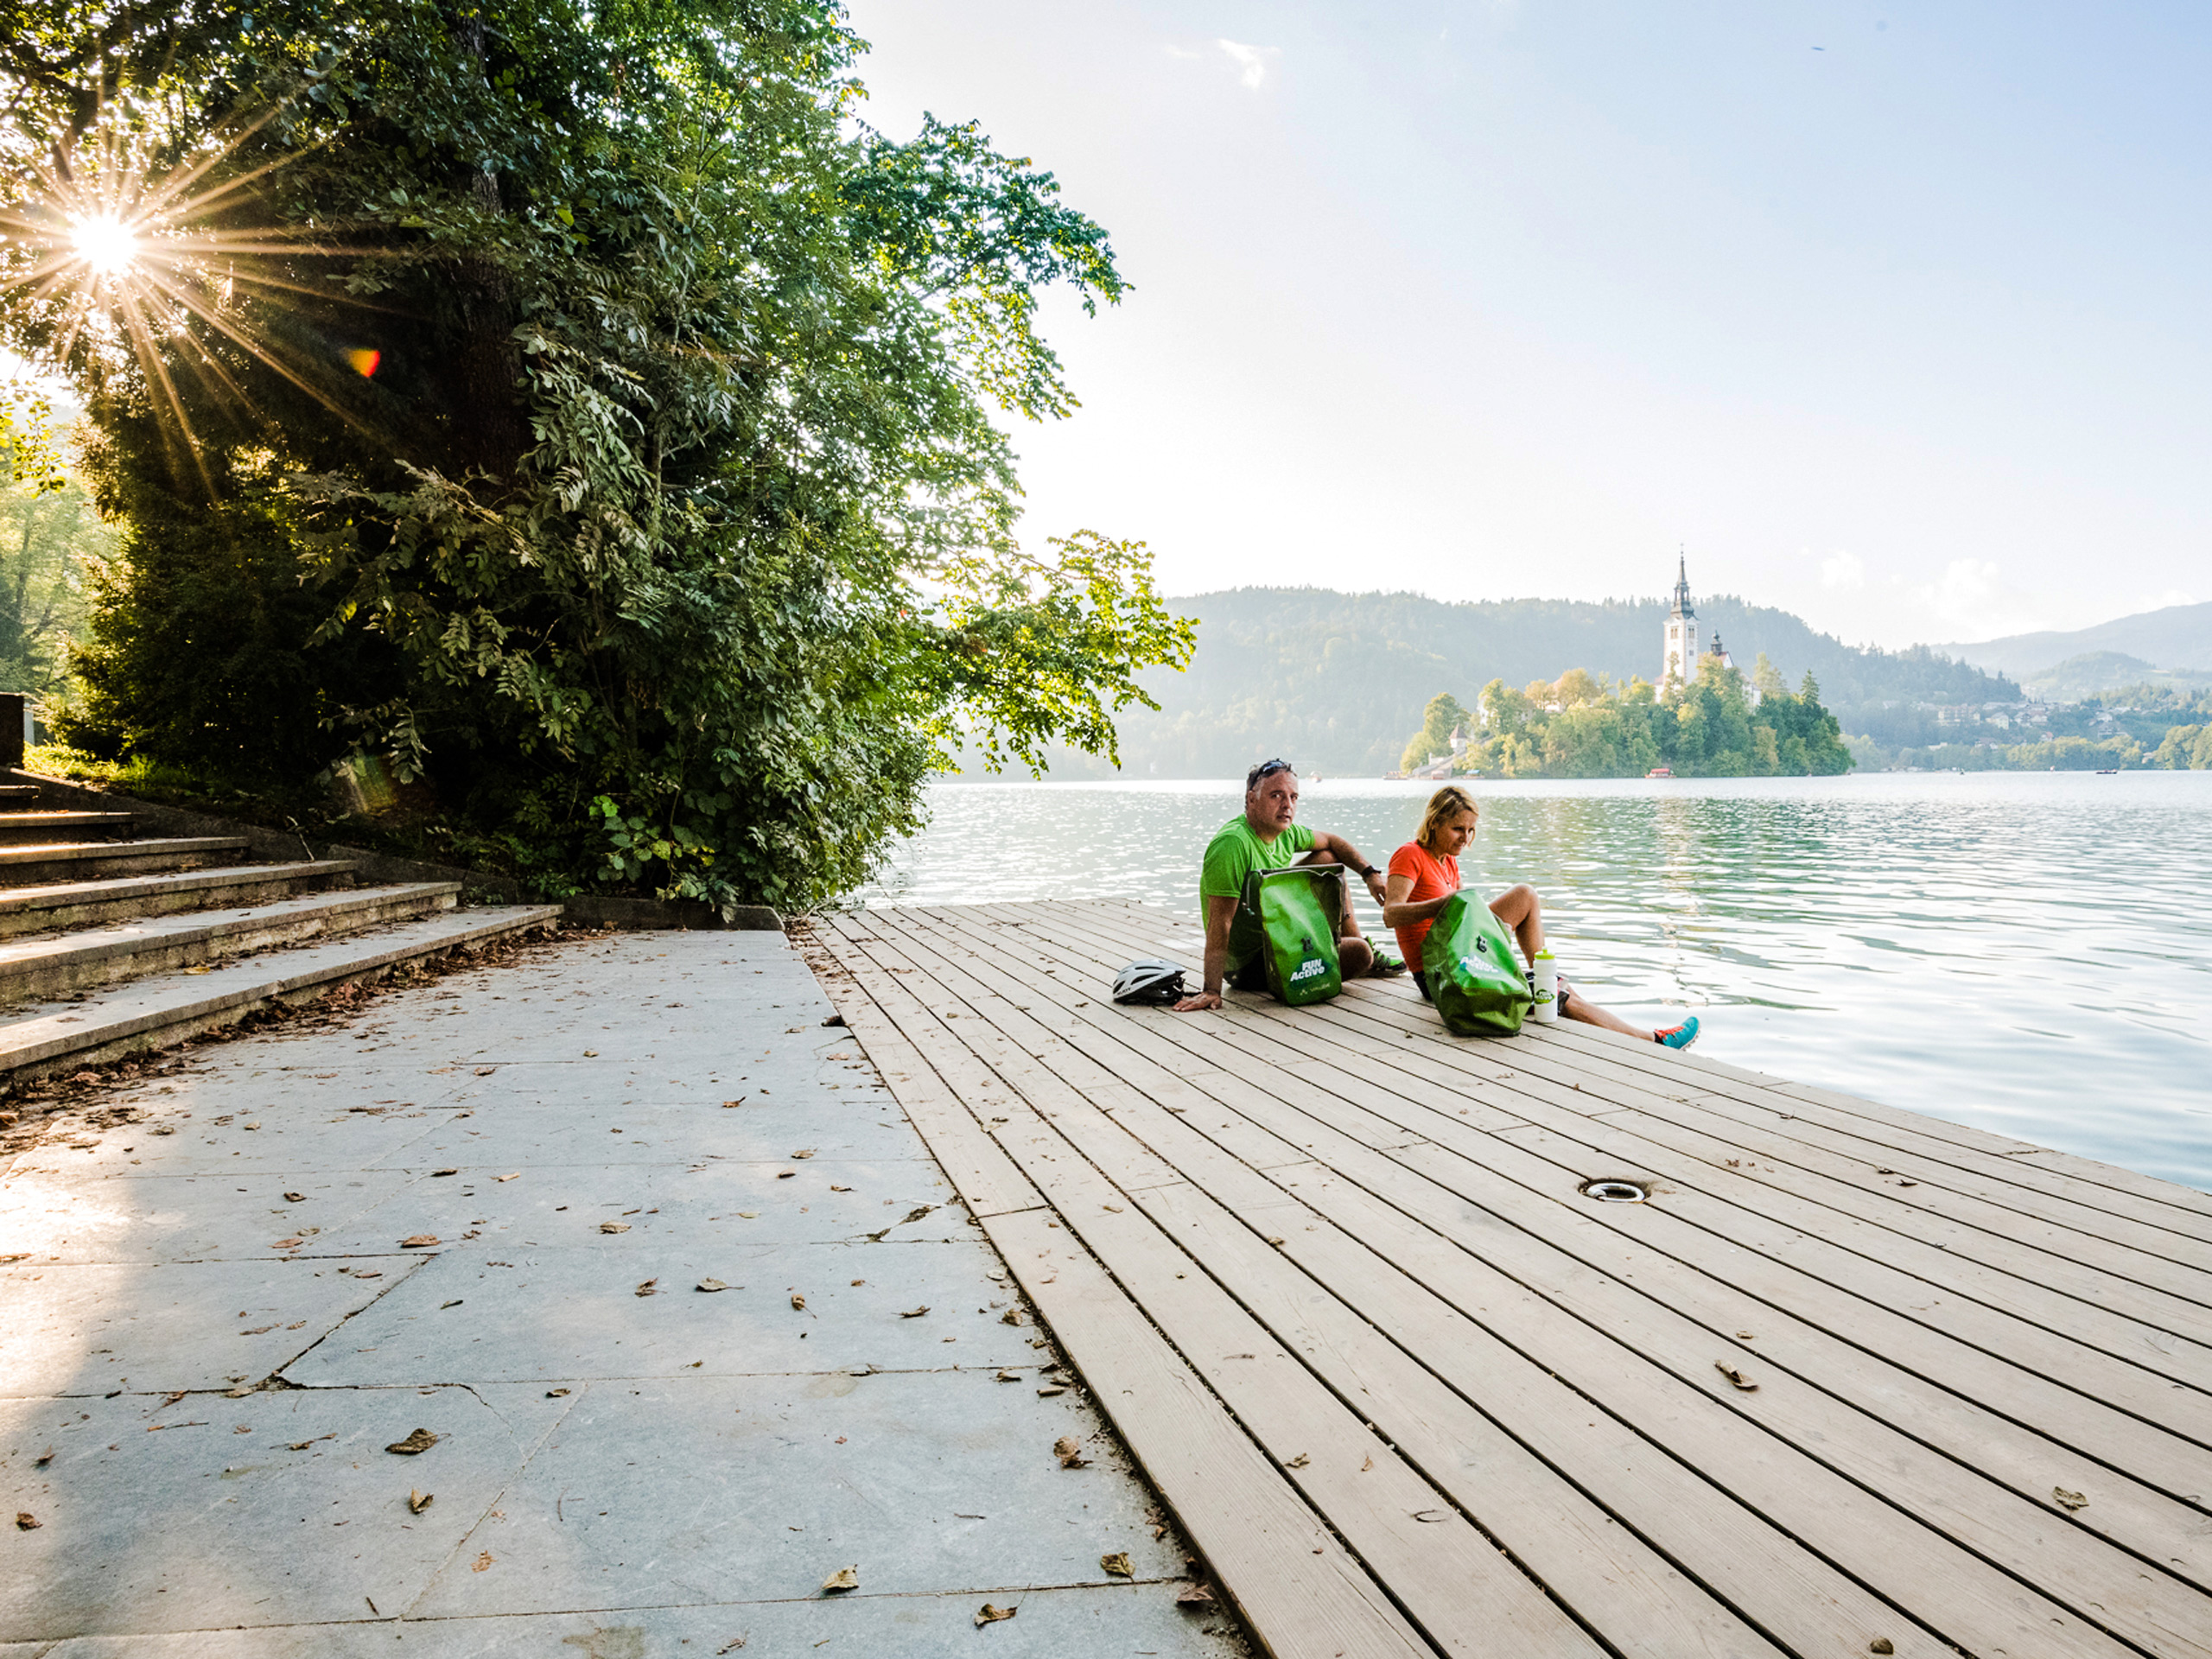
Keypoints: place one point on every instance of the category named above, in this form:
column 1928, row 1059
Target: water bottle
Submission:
column 1543, row 980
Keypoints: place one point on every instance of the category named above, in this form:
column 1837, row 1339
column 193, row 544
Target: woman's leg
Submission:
column 1582, row 1008
column 1519, row 909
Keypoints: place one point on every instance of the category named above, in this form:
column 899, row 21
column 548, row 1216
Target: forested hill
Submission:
column 1335, row 682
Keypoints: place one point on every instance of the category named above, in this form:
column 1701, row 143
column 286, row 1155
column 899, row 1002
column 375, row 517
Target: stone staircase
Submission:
column 111, row 944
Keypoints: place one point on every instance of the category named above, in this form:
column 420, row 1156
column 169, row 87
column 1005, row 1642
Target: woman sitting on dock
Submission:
column 1425, row 873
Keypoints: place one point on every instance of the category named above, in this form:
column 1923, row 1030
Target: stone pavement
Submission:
column 211, row 1330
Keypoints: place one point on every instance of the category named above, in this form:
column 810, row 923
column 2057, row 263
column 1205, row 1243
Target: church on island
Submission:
column 1680, row 660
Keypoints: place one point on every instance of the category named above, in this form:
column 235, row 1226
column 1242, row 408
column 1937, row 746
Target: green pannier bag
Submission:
column 1473, row 976
column 1293, row 915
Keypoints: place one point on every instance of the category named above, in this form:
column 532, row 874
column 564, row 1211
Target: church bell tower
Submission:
column 1680, row 664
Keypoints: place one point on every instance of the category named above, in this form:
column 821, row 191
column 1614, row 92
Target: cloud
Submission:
column 1843, row 570
column 1251, row 60
column 1183, row 52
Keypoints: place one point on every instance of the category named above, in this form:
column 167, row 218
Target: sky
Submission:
column 1893, row 317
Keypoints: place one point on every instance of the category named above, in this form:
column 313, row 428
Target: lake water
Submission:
column 2028, row 952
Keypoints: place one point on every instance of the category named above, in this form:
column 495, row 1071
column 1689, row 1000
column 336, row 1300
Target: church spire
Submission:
column 1682, row 606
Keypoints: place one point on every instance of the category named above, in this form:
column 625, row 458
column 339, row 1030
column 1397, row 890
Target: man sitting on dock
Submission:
column 1265, row 835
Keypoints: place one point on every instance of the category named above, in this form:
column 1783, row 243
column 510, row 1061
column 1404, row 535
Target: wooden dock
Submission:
column 1853, row 1380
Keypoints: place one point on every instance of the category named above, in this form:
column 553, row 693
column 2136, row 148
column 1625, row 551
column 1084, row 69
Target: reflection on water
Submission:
column 2032, row 953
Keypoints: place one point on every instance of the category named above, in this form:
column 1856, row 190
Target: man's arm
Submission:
column 1220, row 912
column 1351, row 857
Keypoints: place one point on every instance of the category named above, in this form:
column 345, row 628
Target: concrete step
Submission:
column 87, row 860
column 63, row 905
column 161, row 1011
column 24, row 828
column 44, row 967
column 18, row 796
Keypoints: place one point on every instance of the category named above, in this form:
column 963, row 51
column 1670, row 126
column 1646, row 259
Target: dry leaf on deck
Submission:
column 1298, row 1462
column 507, row 1178
column 1735, row 1377
column 2068, row 1501
column 445, row 1172
column 1050, row 1389
column 1117, row 1564
column 989, row 1614
column 712, row 1284
column 420, row 1441
column 418, row 1501
column 1012, row 1316
column 614, row 1226
column 798, row 1300
column 1195, row 1595
column 740, row 1100
column 46, row 1456
column 555, row 1394
column 1880, row 1644
column 648, row 1288
column 845, row 1578
column 915, row 1313
column 1069, row 1451
column 481, row 1562
column 419, row 1242
column 834, row 1187
column 1009, row 1376
column 295, row 1197
column 301, row 1445
column 25, row 1521
column 916, row 1215
column 806, row 1153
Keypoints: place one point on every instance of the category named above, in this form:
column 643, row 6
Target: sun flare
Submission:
column 106, row 244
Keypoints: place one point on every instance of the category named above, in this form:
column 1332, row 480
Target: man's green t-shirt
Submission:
column 1233, row 854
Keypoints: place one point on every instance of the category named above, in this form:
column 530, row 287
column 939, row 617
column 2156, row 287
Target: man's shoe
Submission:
column 1679, row 1036
column 1387, row 963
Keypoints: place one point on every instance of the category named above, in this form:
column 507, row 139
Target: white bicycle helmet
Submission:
column 1150, row 984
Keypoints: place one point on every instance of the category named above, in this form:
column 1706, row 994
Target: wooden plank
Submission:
column 1321, row 1034
column 1829, row 1335
column 1996, row 1521
column 1466, row 1597
column 1302, row 1594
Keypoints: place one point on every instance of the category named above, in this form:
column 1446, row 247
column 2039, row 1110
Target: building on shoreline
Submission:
column 1679, row 663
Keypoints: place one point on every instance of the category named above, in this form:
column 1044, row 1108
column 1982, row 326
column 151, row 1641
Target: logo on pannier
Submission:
column 1482, row 944
column 1309, row 968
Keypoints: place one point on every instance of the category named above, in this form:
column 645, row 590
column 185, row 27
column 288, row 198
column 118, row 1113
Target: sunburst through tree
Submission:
column 116, row 260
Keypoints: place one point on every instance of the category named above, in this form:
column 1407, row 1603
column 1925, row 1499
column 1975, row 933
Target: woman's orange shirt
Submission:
column 1432, row 878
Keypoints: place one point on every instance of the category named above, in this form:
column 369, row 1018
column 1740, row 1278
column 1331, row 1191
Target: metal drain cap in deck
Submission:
column 1616, row 1192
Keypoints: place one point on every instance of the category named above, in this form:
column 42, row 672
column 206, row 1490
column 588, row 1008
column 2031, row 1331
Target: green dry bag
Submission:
column 1473, row 976
column 1296, row 913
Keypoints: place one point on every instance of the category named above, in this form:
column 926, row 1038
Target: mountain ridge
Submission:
column 2173, row 636
column 1337, row 681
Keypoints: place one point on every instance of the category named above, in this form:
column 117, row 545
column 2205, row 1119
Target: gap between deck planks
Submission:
column 1993, row 1531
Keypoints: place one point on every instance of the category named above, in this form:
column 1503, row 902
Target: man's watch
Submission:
column 1367, row 874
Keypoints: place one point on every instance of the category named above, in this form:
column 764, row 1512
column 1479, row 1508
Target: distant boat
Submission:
column 2107, row 771
column 1660, row 771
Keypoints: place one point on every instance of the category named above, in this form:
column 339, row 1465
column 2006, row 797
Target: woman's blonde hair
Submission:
column 1447, row 804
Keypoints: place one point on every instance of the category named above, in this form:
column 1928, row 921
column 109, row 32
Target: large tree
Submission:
column 581, row 406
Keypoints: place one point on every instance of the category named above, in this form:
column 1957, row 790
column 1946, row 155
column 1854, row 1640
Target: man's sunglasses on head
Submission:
column 1265, row 769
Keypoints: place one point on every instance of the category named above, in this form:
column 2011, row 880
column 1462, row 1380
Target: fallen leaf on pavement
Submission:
column 807, row 1153
column 43, row 1458
column 1194, row 1595
column 834, row 1187
column 834, row 1020
column 1069, row 1451
column 916, row 1215
column 1117, row 1564
column 915, row 1313
column 740, row 1100
column 258, row 1330
column 555, row 1394
column 845, row 1578
column 301, row 1445
column 481, row 1562
column 418, row 1241
column 506, row 1178
column 418, row 1501
column 420, row 1441
column 455, row 1303
column 1735, row 1377
column 1298, row 1462
column 748, row 1215
column 486, row 1070
column 785, row 1174
column 1009, row 1376
column 1050, row 1389
column 445, row 1172
column 987, row 1614
column 647, row 1288
column 25, row 1521
column 1880, row 1644
column 614, row 1226
column 1012, row 1316
column 712, row 1284
column 295, row 1197
column 798, row 1300
column 2068, row 1501
column 591, row 1054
